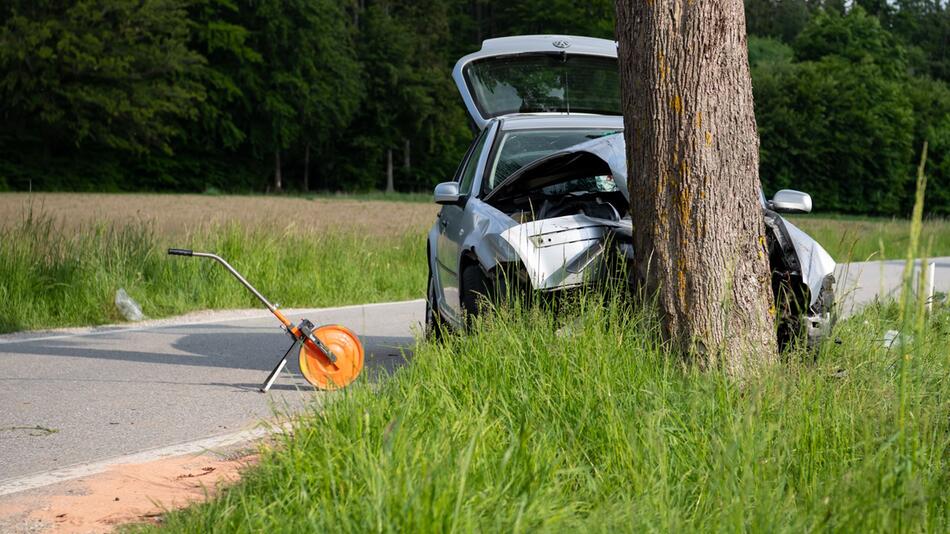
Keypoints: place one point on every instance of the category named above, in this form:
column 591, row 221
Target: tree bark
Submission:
column 390, row 186
column 406, row 153
column 692, row 153
column 306, row 168
column 278, row 180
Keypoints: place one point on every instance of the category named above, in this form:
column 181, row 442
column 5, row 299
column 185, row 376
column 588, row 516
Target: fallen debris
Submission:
column 127, row 306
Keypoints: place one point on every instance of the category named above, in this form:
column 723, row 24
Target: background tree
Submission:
column 111, row 72
column 692, row 152
column 306, row 83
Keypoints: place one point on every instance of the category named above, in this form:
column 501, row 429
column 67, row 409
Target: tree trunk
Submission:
column 306, row 168
column 406, row 153
column 692, row 153
column 390, row 187
column 278, row 181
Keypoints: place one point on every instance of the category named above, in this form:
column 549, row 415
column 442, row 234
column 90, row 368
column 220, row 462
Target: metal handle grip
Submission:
column 179, row 252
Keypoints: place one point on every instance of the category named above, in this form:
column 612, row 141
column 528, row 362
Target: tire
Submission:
column 478, row 292
column 434, row 323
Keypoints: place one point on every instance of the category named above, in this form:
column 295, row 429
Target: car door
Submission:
column 452, row 222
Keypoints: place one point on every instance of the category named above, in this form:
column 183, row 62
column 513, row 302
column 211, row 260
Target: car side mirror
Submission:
column 791, row 201
column 447, row 193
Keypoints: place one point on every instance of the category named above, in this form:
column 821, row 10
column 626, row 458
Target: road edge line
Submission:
column 64, row 474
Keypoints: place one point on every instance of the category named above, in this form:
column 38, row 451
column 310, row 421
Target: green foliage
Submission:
column 838, row 130
column 779, row 19
column 768, row 51
column 931, row 102
column 856, row 37
column 116, row 73
column 410, row 97
column 924, row 26
column 307, row 84
column 844, row 119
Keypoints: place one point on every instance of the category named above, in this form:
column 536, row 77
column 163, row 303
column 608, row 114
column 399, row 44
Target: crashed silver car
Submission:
column 541, row 195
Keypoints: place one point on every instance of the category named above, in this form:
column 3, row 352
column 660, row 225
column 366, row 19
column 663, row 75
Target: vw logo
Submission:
column 562, row 43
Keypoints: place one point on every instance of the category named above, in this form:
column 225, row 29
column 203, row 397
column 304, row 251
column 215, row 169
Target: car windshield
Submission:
column 531, row 83
column 517, row 148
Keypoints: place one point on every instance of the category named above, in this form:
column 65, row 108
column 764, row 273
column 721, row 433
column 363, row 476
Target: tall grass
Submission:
column 52, row 278
column 586, row 423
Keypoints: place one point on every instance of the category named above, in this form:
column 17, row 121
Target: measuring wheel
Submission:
column 346, row 348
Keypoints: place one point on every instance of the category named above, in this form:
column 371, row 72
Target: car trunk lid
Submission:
column 539, row 74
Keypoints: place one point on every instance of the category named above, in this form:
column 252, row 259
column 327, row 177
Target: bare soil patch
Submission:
column 177, row 214
column 133, row 493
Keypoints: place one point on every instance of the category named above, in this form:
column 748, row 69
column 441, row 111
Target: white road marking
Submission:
column 39, row 480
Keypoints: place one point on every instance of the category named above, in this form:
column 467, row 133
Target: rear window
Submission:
column 517, row 148
column 533, row 83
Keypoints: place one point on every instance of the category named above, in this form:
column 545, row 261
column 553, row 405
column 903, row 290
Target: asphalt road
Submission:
column 861, row 282
column 73, row 398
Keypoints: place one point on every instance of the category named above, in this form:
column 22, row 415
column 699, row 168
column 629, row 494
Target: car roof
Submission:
column 540, row 121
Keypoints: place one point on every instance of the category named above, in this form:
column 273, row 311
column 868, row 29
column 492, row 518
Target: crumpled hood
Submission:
column 604, row 155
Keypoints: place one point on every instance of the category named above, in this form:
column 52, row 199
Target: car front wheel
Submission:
column 434, row 324
column 479, row 292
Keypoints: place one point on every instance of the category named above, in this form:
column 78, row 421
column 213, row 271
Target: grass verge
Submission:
column 596, row 428
column 851, row 238
column 51, row 278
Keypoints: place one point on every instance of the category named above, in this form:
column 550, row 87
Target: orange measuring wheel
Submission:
column 346, row 348
column 331, row 356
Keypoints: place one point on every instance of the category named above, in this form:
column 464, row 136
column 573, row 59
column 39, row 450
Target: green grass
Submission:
column 599, row 429
column 851, row 238
column 49, row 278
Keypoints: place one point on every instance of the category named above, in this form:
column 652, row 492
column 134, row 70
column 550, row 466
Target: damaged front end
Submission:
column 802, row 284
column 570, row 214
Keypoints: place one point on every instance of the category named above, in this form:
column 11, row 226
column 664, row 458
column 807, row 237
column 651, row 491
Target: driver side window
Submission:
column 471, row 164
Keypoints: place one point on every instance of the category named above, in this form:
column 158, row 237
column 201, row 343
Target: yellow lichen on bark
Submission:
column 685, row 205
column 681, row 282
column 677, row 104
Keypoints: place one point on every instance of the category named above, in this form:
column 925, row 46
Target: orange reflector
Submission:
column 344, row 344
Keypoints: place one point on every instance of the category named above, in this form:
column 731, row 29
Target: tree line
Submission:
column 266, row 95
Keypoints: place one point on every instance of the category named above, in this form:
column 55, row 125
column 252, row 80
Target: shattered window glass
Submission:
column 520, row 147
column 590, row 184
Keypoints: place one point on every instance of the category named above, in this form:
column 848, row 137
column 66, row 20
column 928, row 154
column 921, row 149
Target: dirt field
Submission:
column 175, row 214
